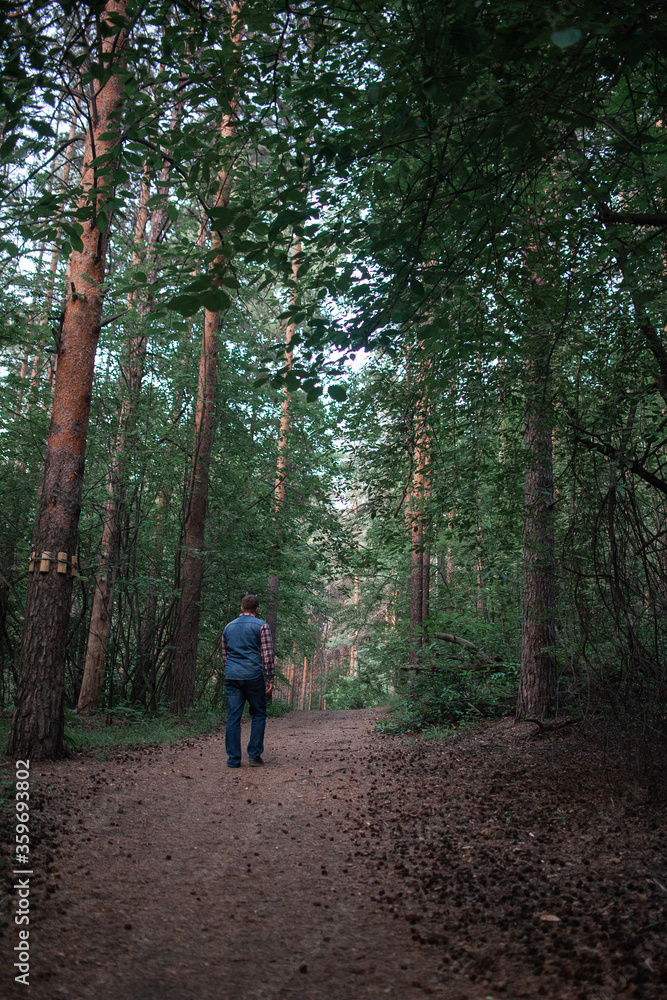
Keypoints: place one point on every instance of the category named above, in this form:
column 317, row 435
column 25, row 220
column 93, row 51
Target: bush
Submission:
column 450, row 697
column 128, row 726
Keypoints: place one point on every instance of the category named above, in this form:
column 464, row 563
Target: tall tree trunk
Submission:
column 356, row 596
column 38, row 724
column 282, row 460
column 420, row 557
column 323, row 695
column 131, row 379
column 296, row 675
column 182, row 686
column 426, row 582
column 479, row 563
column 289, row 675
column 152, row 637
column 184, row 668
column 100, row 616
column 53, row 269
column 304, row 685
column 416, row 583
column 537, row 680
column 315, row 670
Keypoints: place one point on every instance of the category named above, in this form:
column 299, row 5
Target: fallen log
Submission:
column 474, row 665
column 448, row 637
column 482, row 657
column 482, row 660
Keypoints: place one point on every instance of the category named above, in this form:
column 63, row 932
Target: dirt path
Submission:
column 352, row 865
column 178, row 878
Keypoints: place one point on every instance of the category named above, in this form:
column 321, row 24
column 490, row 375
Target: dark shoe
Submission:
column 255, row 762
column 233, row 765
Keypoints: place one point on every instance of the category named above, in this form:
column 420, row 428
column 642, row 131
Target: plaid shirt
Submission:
column 265, row 647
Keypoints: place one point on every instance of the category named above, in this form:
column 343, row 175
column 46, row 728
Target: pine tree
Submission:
column 38, row 723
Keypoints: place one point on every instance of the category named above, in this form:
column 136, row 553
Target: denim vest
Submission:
column 244, row 657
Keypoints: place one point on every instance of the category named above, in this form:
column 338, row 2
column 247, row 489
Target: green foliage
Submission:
column 449, row 699
column 127, row 727
column 276, row 709
column 366, row 690
column 472, row 190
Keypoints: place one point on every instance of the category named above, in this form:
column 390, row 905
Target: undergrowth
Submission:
column 436, row 703
column 129, row 726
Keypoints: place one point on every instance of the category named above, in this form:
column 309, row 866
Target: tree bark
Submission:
column 156, row 635
column 272, row 605
column 420, row 557
column 182, row 686
column 38, row 724
column 100, row 616
column 416, row 584
column 132, row 376
column 184, row 668
column 304, row 685
column 35, row 373
column 282, row 460
column 537, row 679
column 426, row 582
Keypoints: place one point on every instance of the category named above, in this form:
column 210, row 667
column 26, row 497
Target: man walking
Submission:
column 247, row 651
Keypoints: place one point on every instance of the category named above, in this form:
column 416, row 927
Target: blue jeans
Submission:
column 237, row 693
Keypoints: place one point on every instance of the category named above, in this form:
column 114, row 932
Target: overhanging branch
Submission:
column 610, row 452
column 632, row 218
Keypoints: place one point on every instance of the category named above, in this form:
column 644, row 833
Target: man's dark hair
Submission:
column 249, row 603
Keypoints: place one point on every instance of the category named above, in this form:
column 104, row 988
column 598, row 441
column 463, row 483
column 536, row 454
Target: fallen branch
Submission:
column 481, row 664
column 448, row 637
column 474, row 665
column 483, row 658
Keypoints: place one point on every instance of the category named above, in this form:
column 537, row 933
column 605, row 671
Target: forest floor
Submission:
column 354, row 864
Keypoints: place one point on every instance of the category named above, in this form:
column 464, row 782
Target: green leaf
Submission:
column 74, row 235
column 566, row 37
column 256, row 255
column 215, row 300
column 8, row 145
column 186, row 305
column 42, row 129
column 283, row 220
column 220, row 218
column 230, row 281
column 338, row 392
